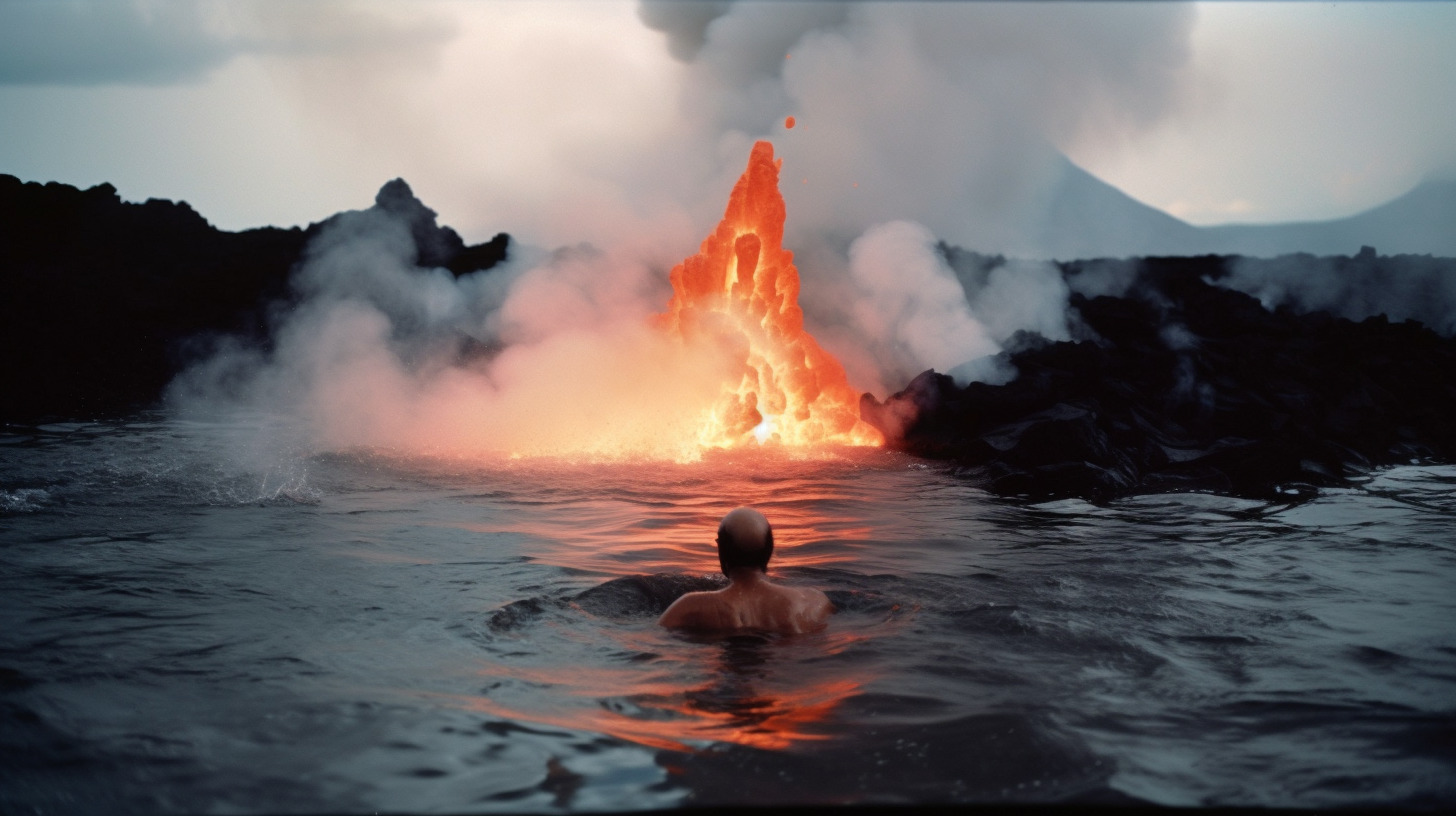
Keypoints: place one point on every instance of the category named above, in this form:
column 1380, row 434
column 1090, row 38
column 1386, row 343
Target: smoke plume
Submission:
column 533, row 358
column 917, row 124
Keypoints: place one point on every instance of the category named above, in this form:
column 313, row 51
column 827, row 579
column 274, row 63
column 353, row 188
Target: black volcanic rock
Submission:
column 1190, row 386
column 99, row 294
column 104, row 300
column 477, row 257
column 436, row 244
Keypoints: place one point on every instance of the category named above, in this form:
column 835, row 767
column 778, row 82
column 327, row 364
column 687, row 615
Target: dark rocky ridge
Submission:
column 105, row 301
column 1178, row 383
column 1185, row 385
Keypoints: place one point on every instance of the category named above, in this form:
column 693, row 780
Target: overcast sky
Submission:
column 565, row 122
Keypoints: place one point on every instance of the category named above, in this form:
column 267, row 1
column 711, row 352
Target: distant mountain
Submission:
column 1421, row 222
column 1085, row 217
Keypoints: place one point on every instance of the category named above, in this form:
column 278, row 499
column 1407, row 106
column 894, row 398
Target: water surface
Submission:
column 205, row 617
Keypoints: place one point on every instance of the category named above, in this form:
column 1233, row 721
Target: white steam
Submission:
column 911, row 312
column 950, row 115
column 1402, row 287
column 554, row 357
column 1018, row 296
column 917, row 123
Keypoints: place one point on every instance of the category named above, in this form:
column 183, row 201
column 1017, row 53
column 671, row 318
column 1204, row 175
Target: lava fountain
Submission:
column 741, row 293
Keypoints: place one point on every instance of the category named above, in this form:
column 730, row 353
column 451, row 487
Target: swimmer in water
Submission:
column 750, row 602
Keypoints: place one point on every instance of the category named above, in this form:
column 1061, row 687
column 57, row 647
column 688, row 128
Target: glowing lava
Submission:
column 741, row 293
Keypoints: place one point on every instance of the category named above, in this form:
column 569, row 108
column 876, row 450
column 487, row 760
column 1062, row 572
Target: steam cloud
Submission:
column 917, row 124
column 534, row 358
column 911, row 306
column 1404, row 287
column 920, row 122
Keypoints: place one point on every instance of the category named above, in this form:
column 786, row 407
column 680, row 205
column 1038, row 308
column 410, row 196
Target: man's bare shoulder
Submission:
column 812, row 608
column 811, row 595
column 695, row 610
column 771, row 607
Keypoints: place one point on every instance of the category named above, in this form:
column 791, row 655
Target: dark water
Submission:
column 203, row 618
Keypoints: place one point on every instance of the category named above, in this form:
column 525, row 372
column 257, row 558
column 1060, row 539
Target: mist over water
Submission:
column 917, row 123
column 185, row 630
column 381, row 348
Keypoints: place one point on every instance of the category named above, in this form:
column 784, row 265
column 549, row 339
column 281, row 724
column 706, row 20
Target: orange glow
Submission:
column 606, row 538
column 789, row 123
column 670, row 717
column 582, row 666
column 691, row 694
column 740, row 293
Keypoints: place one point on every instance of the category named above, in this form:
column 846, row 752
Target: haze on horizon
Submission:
column 590, row 121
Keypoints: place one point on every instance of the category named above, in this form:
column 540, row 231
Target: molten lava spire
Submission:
column 741, row 292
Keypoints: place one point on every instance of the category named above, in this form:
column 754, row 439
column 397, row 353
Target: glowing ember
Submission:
column 789, row 123
column 741, row 292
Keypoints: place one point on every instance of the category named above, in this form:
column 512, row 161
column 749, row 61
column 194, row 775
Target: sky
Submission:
column 567, row 122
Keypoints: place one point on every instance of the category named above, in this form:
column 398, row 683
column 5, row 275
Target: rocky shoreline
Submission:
column 1175, row 381
column 1185, row 385
column 105, row 301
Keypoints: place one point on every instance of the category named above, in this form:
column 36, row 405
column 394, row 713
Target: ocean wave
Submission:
column 23, row 500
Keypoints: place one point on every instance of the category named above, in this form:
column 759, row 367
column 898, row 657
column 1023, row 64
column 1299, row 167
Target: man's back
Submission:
column 750, row 602
column 758, row 606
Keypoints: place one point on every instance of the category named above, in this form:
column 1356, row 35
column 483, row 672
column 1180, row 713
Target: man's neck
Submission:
column 746, row 577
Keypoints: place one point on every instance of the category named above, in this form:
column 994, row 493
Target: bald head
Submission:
column 745, row 539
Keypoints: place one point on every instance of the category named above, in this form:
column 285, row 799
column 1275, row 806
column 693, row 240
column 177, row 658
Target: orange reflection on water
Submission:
column 743, row 699
column 635, row 681
column 612, row 531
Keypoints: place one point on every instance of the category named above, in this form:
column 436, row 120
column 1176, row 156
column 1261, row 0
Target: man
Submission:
column 750, row 601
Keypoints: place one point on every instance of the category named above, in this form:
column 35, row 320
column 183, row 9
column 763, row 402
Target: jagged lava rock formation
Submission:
column 1185, row 385
column 105, row 301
